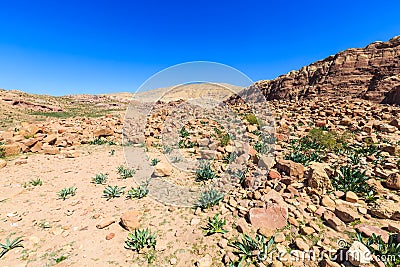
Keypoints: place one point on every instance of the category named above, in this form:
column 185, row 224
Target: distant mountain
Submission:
column 372, row 73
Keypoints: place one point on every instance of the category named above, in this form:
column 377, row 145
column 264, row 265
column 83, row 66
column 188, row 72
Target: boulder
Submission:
column 346, row 213
column 368, row 230
column 386, row 209
column 3, row 163
column 318, row 179
column 291, row 168
column 359, row 254
column 393, row 181
column 162, row 169
column 333, row 221
column 11, row 150
column 130, row 220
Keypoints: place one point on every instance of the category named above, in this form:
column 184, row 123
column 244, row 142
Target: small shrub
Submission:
column 140, row 239
column 253, row 251
column 154, row 162
column 2, row 153
column 36, row 182
column 205, row 172
column 112, row 152
column 167, row 149
column 251, row 118
column 183, row 133
column 60, row 259
column 98, row 141
column 100, row 178
column 351, row 179
column 125, row 172
column 138, row 192
column 9, row 245
column 65, row 192
column 389, row 251
column 209, row 198
column 215, row 225
column 113, row 192
column 225, row 140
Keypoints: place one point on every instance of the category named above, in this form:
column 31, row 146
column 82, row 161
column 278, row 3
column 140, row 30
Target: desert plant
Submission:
column 225, row 140
column 125, row 172
column 140, row 239
column 112, row 152
column 167, row 149
column 100, row 178
column 113, row 192
column 205, row 172
column 388, row 252
column 98, row 141
column 240, row 175
column 209, row 198
column 36, row 182
column 9, row 245
column 228, row 159
column 183, row 133
column 251, row 118
column 154, row 162
column 252, row 251
column 215, row 225
column 304, row 157
column 351, row 179
column 2, row 153
column 138, row 192
column 65, row 192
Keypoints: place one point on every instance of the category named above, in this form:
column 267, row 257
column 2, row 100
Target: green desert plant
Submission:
column 154, row 162
column 252, row 251
column 225, row 140
column 183, row 133
column 36, row 182
column 100, row 178
column 167, row 149
column 113, row 192
column 351, row 179
column 112, row 152
column 2, row 153
column 138, row 192
column 205, row 172
column 215, row 225
column 65, row 192
column 209, row 198
column 125, row 172
column 389, row 252
column 251, row 118
column 140, row 239
column 98, row 141
column 240, row 175
column 9, row 245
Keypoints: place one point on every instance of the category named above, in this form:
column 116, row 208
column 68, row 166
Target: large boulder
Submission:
column 162, row 169
column 318, row 178
column 290, row 168
column 386, row 209
column 393, row 181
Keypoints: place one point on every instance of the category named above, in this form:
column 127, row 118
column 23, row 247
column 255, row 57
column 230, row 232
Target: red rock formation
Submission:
column 368, row 73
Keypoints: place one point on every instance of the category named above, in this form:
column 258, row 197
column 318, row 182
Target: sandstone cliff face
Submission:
column 371, row 73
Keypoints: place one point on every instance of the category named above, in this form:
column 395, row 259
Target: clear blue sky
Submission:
column 63, row 47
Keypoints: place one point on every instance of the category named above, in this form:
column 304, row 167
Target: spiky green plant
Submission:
column 65, row 192
column 100, row 178
column 125, row 172
column 351, row 179
column 209, row 198
column 253, row 251
column 9, row 245
column 36, row 182
column 215, row 225
column 2, row 153
column 183, row 132
column 154, row 162
column 113, row 192
column 140, row 239
column 138, row 192
column 389, row 251
column 251, row 118
column 205, row 172
column 225, row 140
column 98, row 141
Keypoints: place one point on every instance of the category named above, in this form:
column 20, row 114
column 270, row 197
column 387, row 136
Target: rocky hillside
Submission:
column 371, row 73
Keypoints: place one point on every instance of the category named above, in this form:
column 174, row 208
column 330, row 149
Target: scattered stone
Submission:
column 110, row 236
column 3, row 163
column 386, row 209
column 351, row 197
column 162, row 169
column 318, row 179
column 346, row 214
column 105, row 222
column 359, row 254
column 326, row 201
column 333, row 221
column 300, row 244
column 272, row 217
column 205, row 261
column 290, row 168
column 393, row 181
column 130, row 220
column 368, row 230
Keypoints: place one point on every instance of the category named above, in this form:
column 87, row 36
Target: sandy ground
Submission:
column 52, row 228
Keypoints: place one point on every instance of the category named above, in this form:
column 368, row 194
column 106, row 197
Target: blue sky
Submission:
column 65, row 47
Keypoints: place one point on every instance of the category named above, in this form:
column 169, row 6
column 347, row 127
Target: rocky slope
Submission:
column 371, row 73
